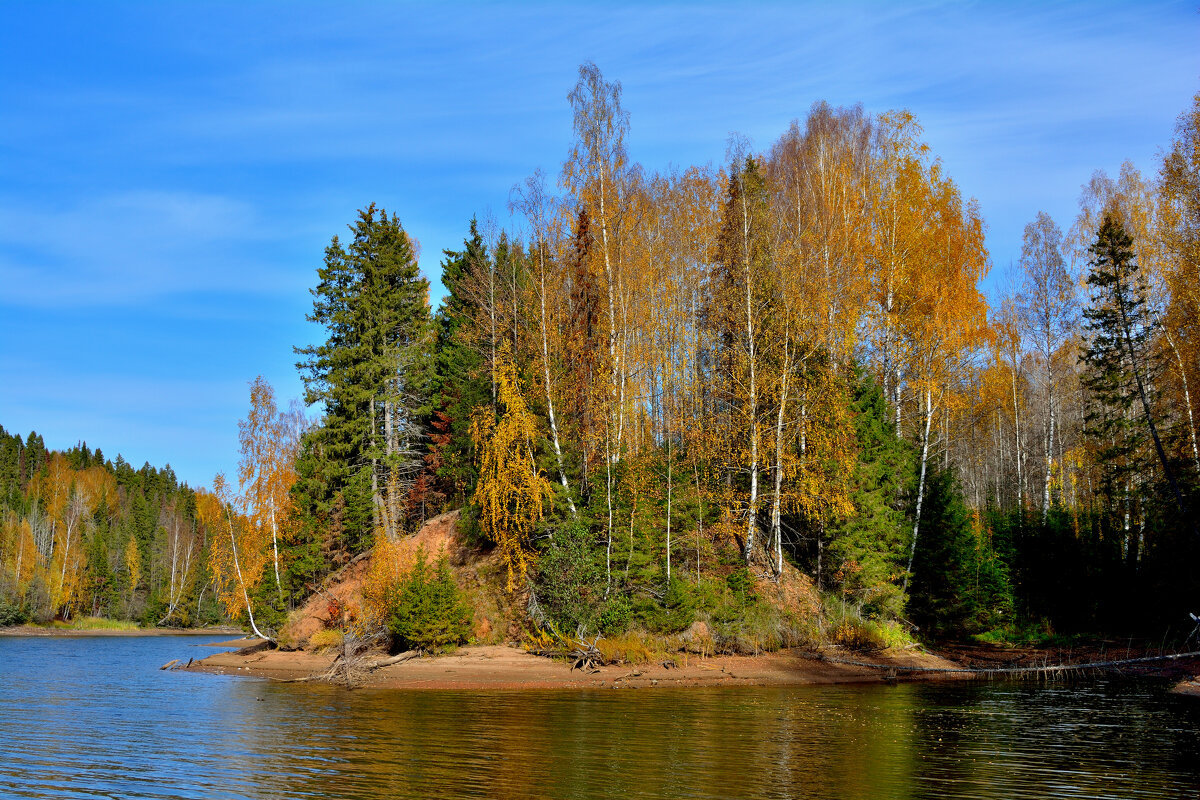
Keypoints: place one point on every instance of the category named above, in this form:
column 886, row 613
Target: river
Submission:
column 95, row 717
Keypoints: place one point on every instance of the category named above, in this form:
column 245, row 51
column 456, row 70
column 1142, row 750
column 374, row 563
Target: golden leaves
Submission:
column 511, row 491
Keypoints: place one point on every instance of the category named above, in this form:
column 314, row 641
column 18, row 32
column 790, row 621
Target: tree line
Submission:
column 82, row 535
column 660, row 390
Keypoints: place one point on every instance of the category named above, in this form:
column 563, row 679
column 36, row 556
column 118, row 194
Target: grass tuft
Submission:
column 95, row 624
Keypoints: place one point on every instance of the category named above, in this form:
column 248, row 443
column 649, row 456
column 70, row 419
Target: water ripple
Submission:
column 89, row 718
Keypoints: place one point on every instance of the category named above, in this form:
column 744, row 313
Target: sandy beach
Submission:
column 506, row 667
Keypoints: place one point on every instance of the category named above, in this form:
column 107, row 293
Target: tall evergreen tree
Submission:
column 373, row 304
column 1121, row 368
column 461, row 381
column 959, row 583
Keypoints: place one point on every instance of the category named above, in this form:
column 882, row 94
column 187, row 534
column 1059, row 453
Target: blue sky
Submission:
column 170, row 172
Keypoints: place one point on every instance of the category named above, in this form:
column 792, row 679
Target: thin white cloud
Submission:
column 130, row 247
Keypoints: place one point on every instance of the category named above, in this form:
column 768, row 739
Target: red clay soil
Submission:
column 346, row 585
column 506, row 667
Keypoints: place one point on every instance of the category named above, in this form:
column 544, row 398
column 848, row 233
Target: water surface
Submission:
column 94, row 717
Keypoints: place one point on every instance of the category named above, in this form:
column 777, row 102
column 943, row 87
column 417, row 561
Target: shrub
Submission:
column 325, row 639
column 426, row 611
column 741, row 583
column 11, row 613
column 630, row 648
column 868, row 635
column 570, row 585
column 677, row 611
column 615, row 615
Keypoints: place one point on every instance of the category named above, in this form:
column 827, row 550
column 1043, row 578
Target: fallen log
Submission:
column 257, row 647
column 585, row 656
column 174, row 662
column 396, row 659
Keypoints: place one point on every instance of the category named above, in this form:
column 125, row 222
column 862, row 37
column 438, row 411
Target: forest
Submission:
column 659, row 392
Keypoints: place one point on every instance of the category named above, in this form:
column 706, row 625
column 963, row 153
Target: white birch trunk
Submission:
column 242, row 581
column 562, row 473
column 912, row 552
column 752, row 510
column 776, row 521
column 1187, row 397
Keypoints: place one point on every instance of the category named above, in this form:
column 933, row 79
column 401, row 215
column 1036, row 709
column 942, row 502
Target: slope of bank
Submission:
column 693, row 658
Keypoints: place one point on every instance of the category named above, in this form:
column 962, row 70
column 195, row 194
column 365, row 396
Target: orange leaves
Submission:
column 237, row 549
column 69, row 499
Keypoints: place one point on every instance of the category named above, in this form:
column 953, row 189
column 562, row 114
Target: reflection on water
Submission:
column 95, row 718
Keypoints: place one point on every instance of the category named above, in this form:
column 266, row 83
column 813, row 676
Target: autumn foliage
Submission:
column 511, row 493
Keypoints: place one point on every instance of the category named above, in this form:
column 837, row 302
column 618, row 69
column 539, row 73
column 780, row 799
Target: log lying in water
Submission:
column 1053, row 670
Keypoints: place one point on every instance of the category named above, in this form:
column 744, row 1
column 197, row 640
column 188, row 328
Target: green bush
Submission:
column 741, row 584
column 615, row 615
column 12, row 613
column 426, row 611
column 570, row 584
column 677, row 611
column 155, row 609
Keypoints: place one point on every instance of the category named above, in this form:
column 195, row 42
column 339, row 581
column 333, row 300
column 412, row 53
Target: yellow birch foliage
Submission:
column 18, row 550
column 510, row 493
column 133, row 563
column 267, row 470
column 390, row 562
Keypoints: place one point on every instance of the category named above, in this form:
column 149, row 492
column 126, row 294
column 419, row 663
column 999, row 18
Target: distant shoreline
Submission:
column 38, row 630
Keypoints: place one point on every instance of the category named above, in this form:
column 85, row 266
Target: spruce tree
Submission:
column 373, row 304
column 1121, row 370
column 461, row 381
column 868, row 549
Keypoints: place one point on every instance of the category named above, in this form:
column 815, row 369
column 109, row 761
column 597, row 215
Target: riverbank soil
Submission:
column 507, row 667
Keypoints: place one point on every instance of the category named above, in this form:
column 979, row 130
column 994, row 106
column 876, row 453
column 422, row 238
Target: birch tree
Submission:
column 1049, row 308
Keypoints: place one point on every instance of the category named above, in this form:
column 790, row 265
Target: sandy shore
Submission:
column 35, row 630
column 503, row 667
